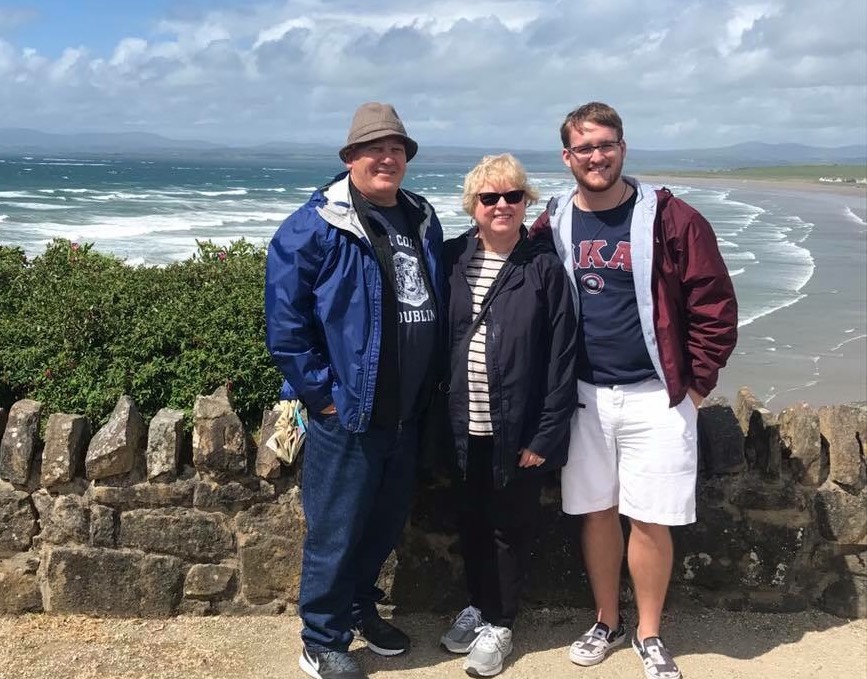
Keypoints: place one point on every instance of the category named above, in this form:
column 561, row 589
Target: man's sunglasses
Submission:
column 489, row 198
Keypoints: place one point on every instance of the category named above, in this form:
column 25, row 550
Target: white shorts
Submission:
column 630, row 450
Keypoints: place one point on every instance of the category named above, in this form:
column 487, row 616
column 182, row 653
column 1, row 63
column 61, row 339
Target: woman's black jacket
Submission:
column 530, row 354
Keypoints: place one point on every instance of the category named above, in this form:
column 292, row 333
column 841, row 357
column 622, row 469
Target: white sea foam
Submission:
column 741, row 256
column 736, row 272
column 3, row 218
column 36, row 206
column 851, row 216
column 74, row 164
column 17, row 194
column 845, row 342
column 227, row 192
column 767, row 312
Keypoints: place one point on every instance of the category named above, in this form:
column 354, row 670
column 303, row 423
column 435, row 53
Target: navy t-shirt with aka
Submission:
column 611, row 348
column 416, row 308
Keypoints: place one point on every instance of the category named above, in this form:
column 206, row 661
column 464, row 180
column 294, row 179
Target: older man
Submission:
column 657, row 319
column 352, row 302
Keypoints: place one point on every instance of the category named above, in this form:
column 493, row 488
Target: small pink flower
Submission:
column 221, row 255
column 75, row 247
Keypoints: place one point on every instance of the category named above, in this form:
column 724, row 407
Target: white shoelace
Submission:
column 489, row 639
column 469, row 618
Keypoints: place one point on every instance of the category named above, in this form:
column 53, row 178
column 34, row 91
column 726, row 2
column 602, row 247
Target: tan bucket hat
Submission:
column 374, row 121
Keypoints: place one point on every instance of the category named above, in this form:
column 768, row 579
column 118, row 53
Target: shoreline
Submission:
column 813, row 350
column 732, row 183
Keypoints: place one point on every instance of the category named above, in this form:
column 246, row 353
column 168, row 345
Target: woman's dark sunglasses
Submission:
column 490, row 198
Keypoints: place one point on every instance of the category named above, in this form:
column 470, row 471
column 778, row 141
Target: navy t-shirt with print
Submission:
column 416, row 308
column 611, row 348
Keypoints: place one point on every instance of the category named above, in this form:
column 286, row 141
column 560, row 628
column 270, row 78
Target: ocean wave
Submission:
column 3, row 218
column 852, row 217
column 18, row 194
column 74, row 164
column 740, row 256
column 845, row 342
column 103, row 228
column 767, row 312
column 37, row 206
column 736, row 272
column 227, row 192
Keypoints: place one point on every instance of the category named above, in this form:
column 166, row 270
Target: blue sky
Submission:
column 498, row 73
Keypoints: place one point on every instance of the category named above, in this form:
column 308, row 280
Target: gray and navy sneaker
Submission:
column 592, row 646
column 382, row 637
column 330, row 665
column 487, row 653
column 462, row 633
column 658, row 663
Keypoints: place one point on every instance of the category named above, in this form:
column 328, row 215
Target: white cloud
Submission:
column 494, row 73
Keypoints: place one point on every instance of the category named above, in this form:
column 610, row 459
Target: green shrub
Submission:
column 78, row 329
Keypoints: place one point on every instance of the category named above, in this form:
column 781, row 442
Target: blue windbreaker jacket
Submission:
column 323, row 301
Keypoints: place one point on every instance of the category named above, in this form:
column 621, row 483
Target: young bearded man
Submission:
column 657, row 320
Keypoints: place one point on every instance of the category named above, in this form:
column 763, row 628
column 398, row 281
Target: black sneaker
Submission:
column 330, row 665
column 382, row 637
column 658, row 663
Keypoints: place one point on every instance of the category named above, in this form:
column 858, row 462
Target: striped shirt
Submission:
column 482, row 269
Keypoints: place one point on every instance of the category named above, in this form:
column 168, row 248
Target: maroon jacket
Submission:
column 693, row 300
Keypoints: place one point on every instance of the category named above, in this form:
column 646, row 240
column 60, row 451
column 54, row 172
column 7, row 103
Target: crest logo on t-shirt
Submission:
column 408, row 280
column 592, row 283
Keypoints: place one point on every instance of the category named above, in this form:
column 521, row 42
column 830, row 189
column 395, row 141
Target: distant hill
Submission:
column 20, row 140
column 142, row 144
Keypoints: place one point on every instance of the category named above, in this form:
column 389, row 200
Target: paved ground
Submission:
column 709, row 645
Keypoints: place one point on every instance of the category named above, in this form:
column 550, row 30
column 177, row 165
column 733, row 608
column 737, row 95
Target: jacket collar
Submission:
column 339, row 211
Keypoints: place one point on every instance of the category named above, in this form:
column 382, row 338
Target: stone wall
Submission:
column 143, row 520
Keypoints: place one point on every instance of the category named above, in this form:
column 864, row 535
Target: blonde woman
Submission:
column 512, row 393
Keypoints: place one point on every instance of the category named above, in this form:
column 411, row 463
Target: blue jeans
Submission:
column 357, row 492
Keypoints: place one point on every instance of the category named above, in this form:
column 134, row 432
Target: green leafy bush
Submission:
column 78, row 329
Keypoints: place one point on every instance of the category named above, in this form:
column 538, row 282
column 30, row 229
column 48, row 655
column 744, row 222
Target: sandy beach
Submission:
column 814, row 350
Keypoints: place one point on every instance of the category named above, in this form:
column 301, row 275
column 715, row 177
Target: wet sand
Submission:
column 816, row 349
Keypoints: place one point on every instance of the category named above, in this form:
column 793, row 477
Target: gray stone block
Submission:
column 19, row 585
column 115, row 447
column 18, row 522
column 110, row 582
column 267, row 464
column 270, row 540
column 210, row 581
column 20, row 440
column 66, row 438
column 841, row 516
column 144, row 495
column 66, row 519
column 192, row 535
column 720, row 439
column 802, row 444
column 103, row 526
column 219, row 439
column 232, row 496
column 165, row 437
column 844, row 427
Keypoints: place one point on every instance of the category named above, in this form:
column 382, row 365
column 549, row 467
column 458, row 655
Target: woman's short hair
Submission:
column 503, row 170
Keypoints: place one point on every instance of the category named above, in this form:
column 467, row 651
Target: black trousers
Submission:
column 497, row 527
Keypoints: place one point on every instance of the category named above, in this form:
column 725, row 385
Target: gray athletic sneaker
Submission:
column 462, row 633
column 592, row 646
column 488, row 651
